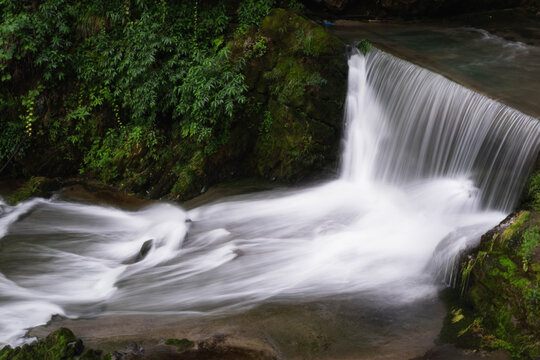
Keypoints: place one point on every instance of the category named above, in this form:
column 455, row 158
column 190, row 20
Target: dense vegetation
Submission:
column 136, row 93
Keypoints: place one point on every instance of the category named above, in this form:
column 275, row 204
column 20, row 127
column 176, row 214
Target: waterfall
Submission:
column 405, row 123
column 428, row 166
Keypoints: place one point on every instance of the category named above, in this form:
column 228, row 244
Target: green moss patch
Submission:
column 36, row 186
column 59, row 345
column 500, row 287
column 181, row 344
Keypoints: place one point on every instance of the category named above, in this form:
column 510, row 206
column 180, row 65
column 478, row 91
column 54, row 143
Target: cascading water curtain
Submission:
column 416, row 124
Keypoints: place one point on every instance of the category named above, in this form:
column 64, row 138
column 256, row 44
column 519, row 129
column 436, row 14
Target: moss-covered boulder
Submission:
column 58, row 345
column 500, row 289
column 34, row 187
column 296, row 73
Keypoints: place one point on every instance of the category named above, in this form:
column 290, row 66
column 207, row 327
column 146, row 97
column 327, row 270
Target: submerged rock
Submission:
column 145, row 248
column 130, row 352
column 143, row 252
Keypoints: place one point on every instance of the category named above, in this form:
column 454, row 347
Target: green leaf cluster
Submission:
column 533, row 191
column 531, row 239
column 251, row 12
column 86, row 78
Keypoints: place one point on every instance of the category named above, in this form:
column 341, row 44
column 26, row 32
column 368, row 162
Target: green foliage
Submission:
column 251, row 12
column 211, row 89
column 59, row 345
column 149, row 54
column 42, row 35
column 28, row 103
column 259, row 49
column 531, row 239
column 117, row 89
column 465, row 273
column 308, row 45
column 364, row 46
column 533, row 191
column 109, row 157
column 29, row 189
column 264, row 127
column 295, row 5
column 85, row 68
column 532, row 296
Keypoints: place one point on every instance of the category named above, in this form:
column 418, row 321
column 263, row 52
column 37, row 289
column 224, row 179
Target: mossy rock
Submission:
column 58, row 345
column 460, row 326
column 298, row 88
column 34, row 187
column 501, row 290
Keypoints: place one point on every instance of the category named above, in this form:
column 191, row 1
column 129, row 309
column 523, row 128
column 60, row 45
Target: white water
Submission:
column 425, row 161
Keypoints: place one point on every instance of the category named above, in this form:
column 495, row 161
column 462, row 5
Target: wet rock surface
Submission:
column 131, row 352
column 344, row 330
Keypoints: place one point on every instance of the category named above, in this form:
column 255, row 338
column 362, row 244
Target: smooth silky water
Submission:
column 428, row 166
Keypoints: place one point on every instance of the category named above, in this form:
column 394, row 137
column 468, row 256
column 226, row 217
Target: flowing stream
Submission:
column 428, row 166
